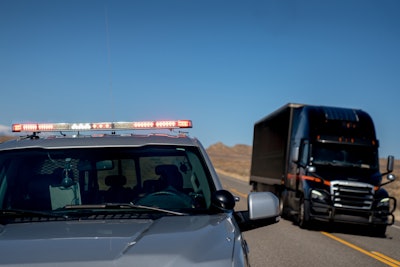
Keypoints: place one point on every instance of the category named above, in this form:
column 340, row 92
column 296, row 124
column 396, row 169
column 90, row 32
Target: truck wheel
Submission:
column 282, row 210
column 378, row 230
column 281, row 205
column 303, row 218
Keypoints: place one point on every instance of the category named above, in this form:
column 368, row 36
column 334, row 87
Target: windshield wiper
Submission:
column 29, row 213
column 120, row 206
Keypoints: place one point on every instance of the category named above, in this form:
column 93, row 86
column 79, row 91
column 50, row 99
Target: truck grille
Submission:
column 352, row 195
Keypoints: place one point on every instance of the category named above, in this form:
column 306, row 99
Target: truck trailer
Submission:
column 323, row 164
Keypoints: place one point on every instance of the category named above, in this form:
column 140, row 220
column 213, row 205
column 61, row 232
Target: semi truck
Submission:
column 323, row 164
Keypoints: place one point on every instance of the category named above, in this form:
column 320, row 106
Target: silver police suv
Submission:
column 101, row 194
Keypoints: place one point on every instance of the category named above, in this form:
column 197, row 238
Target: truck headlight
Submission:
column 319, row 196
column 383, row 203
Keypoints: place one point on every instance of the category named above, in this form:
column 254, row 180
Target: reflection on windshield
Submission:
column 344, row 155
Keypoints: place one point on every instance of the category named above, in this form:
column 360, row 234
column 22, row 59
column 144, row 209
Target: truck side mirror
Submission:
column 390, row 167
column 295, row 155
column 390, row 164
column 301, row 153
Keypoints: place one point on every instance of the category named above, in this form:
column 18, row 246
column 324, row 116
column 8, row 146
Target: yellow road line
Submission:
column 386, row 257
column 380, row 257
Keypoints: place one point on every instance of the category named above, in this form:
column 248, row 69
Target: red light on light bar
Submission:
column 162, row 124
column 143, row 124
column 102, row 125
column 185, row 124
column 45, row 127
column 173, row 124
column 32, row 127
column 165, row 124
column 16, row 127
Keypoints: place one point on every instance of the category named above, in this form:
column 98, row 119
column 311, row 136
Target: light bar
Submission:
column 139, row 125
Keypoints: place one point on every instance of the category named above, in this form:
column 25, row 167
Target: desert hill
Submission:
column 6, row 138
column 234, row 161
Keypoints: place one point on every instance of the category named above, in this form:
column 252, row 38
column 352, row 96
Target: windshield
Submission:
column 167, row 178
column 344, row 155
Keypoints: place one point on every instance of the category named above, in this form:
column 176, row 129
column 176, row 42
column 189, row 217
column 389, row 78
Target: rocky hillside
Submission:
column 234, row 161
column 5, row 138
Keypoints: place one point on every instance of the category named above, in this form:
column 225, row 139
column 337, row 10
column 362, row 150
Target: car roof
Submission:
column 113, row 140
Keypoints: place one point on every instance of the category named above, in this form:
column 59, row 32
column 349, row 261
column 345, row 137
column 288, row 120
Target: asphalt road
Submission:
column 285, row 244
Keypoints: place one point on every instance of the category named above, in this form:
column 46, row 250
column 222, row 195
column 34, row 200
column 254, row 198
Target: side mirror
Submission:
column 295, row 156
column 390, row 167
column 263, row 210
column 263, row 205
column 390, row 164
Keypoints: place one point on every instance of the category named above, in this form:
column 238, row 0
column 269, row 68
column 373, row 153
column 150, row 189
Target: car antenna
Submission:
column 109, row 63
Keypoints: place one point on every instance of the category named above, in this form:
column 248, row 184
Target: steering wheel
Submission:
column 164, row 192
column 166, row 199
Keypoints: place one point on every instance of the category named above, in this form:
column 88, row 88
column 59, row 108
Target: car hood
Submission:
column 168, row 241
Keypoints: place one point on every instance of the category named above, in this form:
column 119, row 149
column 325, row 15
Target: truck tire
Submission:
column 282, row 205
column 281, row 209
column 378, row 230
column 303, row 218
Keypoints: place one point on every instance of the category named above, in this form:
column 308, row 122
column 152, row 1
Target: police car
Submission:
column 109, row 194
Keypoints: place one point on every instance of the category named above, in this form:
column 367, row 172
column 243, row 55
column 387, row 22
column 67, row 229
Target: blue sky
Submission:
column 222, row 64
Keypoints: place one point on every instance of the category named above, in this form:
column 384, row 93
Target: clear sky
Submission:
column 222, row 64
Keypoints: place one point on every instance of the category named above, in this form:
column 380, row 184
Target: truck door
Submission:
column 304, row 152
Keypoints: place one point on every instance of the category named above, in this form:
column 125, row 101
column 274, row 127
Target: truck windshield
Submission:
column 344, row 155
column 166, row 177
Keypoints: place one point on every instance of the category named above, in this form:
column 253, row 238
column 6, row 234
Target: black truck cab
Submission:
column 323, row 163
